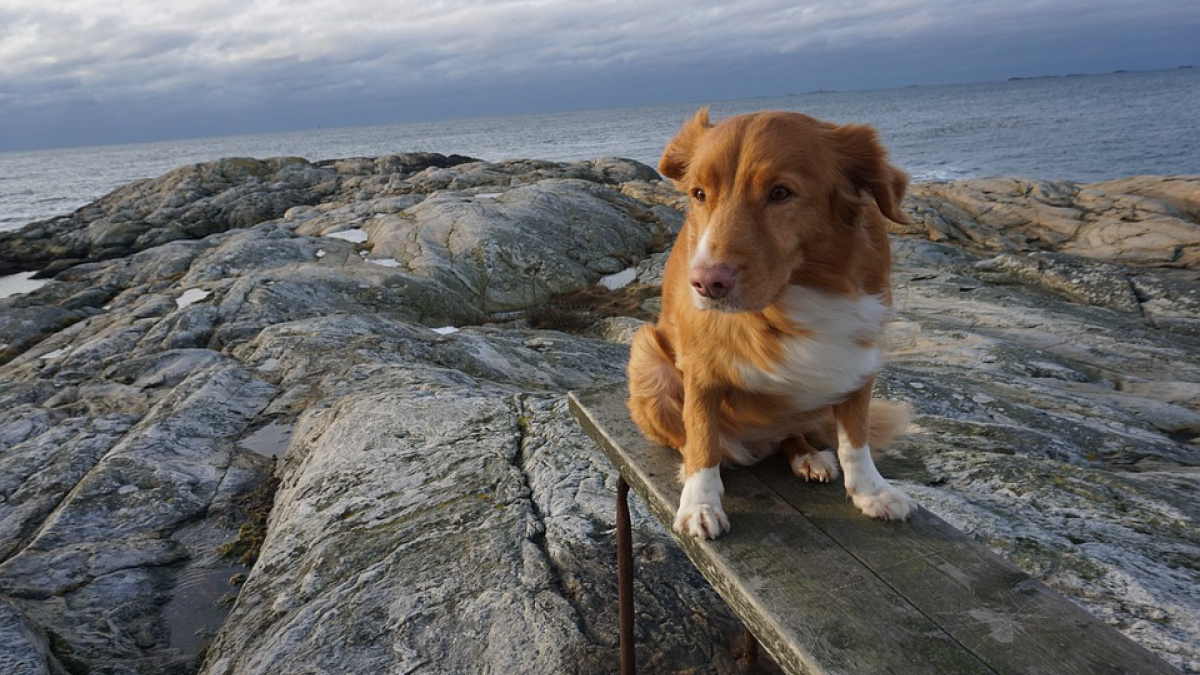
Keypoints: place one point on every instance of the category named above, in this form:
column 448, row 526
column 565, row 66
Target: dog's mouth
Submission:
column 731, row 304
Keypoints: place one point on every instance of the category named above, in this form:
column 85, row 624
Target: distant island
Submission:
column 1115, row 72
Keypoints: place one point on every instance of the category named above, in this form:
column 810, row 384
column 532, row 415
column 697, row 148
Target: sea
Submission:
column 1081, row 128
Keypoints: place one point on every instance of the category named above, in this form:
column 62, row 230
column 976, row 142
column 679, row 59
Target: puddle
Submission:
column 354, row 236
column 194, row 614
column 269, row 441
column 384, row 262
column 22, row 282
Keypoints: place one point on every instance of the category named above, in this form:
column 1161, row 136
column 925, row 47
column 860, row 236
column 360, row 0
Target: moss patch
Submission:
column 577, row 311
column 256, row 504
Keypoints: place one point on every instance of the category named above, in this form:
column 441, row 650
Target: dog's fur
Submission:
column 773, row 309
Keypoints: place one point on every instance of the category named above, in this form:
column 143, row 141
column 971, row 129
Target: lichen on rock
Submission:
column 437, row 509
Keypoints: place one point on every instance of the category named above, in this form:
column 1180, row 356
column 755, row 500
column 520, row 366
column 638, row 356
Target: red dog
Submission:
column 773, row 309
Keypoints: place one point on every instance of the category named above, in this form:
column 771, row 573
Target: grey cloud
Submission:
column 239, row 59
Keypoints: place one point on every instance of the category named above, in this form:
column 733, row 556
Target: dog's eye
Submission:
column 698, row 195
column 780, row 193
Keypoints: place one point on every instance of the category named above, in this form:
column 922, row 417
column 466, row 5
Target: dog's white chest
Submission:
column 834, row 355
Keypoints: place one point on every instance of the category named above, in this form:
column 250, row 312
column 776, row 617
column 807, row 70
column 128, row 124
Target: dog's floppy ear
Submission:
column 864, row 161
column 678, row 155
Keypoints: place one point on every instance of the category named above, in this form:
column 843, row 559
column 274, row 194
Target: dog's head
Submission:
column 774, row 196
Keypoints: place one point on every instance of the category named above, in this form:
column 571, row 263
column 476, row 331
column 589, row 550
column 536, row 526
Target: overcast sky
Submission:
column 82, row 72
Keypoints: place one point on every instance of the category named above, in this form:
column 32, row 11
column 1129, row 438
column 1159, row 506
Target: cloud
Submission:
column 136, row 57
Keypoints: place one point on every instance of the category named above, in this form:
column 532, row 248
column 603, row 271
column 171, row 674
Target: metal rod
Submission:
column 625, row 578
column 750, row 651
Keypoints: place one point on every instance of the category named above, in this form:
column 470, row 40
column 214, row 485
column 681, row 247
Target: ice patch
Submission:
column 355, row 236
column 619, row 280
column 384, row 262
column 445, row 330
column 191, row 296
column 22, row 282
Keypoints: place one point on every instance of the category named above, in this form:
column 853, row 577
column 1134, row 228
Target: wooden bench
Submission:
column 829, row 591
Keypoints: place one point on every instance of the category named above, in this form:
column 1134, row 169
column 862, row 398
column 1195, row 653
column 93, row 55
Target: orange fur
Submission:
column 780, row 201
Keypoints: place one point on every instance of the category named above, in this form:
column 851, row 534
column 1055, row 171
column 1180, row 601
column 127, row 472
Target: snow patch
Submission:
column 619, row 280
column 191, row 296
column 55, row 354
column 445, row 330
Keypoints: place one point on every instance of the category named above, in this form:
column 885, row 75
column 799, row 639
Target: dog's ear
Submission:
column 678, row 155
column 863, row 160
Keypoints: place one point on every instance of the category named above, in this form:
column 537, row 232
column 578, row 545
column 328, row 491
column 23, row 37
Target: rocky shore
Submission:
column 289, row 417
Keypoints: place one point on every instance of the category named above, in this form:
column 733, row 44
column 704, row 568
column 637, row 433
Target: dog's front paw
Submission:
column 703, row 521
column 700, row 513
column 887, row 503
column 820, row 467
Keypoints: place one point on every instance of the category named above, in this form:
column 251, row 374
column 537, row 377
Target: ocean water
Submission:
column 1084, row 128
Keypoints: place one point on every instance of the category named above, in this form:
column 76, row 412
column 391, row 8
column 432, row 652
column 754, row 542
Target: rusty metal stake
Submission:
column 625, row 578
column 749, row 652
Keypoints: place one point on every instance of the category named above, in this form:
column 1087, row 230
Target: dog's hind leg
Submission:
column 655, row 388
column 808, row 462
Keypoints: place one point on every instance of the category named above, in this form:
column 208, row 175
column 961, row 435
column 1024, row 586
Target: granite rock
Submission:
column 1146, row 221
column 438, row 510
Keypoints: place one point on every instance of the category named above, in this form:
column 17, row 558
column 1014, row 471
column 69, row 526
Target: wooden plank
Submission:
column 827, row 590
column 813, row 607
column 1013, row 622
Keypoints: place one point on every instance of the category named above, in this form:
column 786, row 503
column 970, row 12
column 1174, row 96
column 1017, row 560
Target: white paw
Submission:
column 820, row 467
column 703, row 521
column 886, row 504
column 700, row 513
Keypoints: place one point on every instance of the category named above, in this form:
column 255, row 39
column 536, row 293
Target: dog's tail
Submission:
column 889, row 420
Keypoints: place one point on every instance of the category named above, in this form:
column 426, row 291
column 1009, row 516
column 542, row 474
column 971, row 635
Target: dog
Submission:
column 774, row 302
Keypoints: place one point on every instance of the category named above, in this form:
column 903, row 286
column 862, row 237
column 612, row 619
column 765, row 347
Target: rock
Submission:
column 438, row 510
column 26, row 646
column 1086, row 281
column 23, row 327
column 522, row 247
column 1170, row 300
column 190, row 202
column 1144, row 221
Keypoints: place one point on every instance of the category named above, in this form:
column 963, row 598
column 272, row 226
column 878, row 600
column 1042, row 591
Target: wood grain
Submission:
column 829, row 591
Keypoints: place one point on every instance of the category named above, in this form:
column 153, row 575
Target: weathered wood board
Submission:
column 829, row 591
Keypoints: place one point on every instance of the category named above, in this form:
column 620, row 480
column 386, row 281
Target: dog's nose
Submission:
column 712, row 282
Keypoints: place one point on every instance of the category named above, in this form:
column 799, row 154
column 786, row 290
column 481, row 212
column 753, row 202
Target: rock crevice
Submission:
column 438, row 510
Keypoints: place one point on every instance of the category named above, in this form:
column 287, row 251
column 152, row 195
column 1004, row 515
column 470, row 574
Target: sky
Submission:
column 85, row 72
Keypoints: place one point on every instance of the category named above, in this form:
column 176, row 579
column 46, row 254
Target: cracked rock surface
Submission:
column 360, row 330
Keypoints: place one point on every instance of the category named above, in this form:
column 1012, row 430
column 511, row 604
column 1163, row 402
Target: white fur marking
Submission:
column 700, row 513
column 702, row 257
column 820, row 467
column 872, row 494
column 829, row 360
